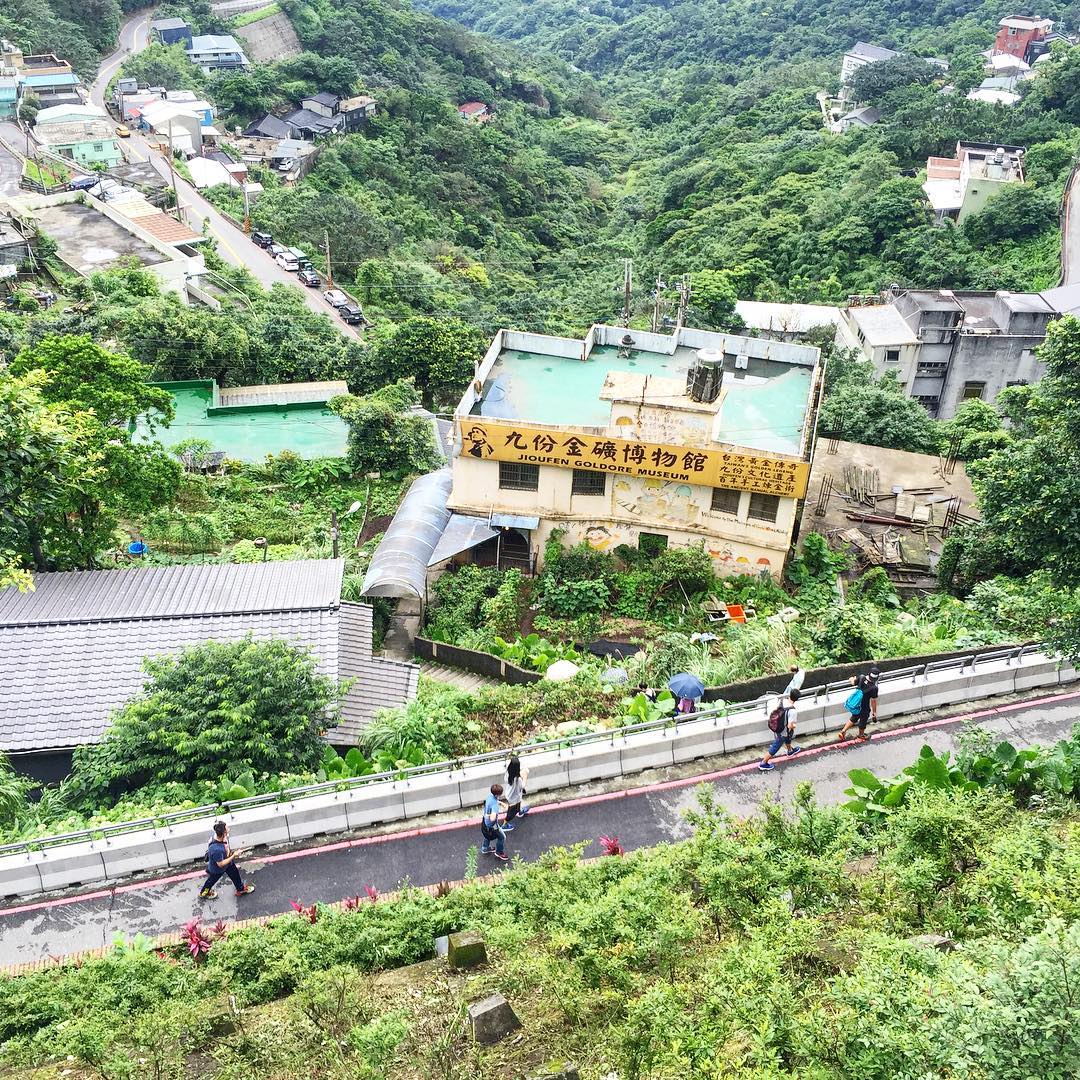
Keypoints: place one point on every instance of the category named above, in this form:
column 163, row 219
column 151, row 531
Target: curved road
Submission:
column 234, row 247
column 639, row 816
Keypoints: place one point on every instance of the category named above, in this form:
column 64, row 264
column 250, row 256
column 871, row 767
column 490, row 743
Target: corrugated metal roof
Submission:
column 378, row 683
column 157, row 592
column 63, row 682
column 282, row 393
column 399, row 565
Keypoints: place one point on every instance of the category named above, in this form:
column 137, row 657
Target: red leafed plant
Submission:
column 611, row 845
column 197, row 942
column 310, row 913
column 351, row 903
column 219, row 929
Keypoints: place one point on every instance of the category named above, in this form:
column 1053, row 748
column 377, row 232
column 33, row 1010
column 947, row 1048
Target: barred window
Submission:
column 516, row 476
column 764, row 507
column 588, row 482
column 726, row 500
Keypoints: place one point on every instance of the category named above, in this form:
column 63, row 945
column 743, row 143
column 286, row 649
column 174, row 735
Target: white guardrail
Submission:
column 178, row 840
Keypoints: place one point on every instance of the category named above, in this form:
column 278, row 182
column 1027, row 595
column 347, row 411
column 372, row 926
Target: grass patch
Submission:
column 249, row 17
column 49, row 176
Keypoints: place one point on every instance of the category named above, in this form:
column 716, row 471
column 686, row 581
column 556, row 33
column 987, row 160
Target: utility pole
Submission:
column 247, row 208
column 172, row 173
column 657, row 304
column 628, row 289
column 334, row 532
column 683, row 289
column 329, row 272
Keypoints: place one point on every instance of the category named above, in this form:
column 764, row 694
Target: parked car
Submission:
column 277, row 249
column 335, row 297
column 310, row 279
column 352, row 314
column 306, row 264
column 123, row 131
column 287, row 261
column 262, row 239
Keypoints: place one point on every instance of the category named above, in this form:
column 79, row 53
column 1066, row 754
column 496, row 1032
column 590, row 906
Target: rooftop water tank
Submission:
column 705, row 376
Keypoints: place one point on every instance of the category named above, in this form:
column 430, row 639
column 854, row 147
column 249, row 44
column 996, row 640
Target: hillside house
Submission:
column 474, row 112
column 171, row 32
column 945, row 347
column 962, row 185
column 1017, row 33
column 215, row 52
column 632, row 438
column 73, row 648
column 861, row 54
column 80, row 133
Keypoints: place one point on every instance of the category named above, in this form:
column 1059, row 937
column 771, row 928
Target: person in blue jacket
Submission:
column 221, row 862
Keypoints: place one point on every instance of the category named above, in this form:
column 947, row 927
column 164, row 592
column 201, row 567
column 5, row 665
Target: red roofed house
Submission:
column 1017, row 32
column 474, row 111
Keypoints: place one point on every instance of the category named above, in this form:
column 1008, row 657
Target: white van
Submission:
column 287, row 260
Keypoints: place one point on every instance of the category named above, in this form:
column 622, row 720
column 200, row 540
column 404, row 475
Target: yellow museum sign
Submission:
column 503, row 441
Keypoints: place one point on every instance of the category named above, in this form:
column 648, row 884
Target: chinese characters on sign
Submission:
column 710, row 468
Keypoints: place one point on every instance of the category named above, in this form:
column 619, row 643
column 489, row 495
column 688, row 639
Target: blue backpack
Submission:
column 854, row 701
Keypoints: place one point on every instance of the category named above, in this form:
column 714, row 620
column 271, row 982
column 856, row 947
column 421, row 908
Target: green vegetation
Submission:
column 255, row 16
column 49, row 176
column 815, row 942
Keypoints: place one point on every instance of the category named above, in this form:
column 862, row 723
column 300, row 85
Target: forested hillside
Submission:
column 82, row 31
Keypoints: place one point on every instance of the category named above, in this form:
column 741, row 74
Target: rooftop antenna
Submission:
column 628, row 289
column 683, row 289
column 658, row 304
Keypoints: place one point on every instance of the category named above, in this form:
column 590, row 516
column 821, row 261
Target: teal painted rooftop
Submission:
column 763, row 405
column 256, row 425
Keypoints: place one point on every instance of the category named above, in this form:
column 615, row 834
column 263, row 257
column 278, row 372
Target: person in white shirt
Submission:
column 785, row 735
column 515, row 791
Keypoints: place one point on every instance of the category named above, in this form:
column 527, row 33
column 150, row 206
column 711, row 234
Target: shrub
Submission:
column 214, row 708
column 572, row 598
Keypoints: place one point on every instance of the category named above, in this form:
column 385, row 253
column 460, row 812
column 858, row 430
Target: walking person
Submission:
column 782, row 722
column 515, row 792
column 797, row 676
column 221, row 861
column 490, row 827
column 863, row 708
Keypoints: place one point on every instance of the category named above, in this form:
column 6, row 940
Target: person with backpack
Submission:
column 221, row 862
column 861, row 704
column 490, row 826
column 782, row 725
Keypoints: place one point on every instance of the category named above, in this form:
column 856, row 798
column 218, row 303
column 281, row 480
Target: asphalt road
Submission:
column 233, row 246
column 10, row 164
column 639, row 817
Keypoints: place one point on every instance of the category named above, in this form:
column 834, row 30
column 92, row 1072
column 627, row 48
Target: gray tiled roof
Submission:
column 378, row 684
column 62, row 682
column 72, row 651
column 156, row 592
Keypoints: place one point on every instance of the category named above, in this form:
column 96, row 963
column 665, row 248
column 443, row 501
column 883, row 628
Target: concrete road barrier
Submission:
column 84, row 860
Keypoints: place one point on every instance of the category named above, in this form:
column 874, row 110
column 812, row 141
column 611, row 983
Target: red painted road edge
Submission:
column 584, row 800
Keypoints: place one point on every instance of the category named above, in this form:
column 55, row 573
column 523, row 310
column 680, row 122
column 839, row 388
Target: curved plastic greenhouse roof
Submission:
column 399, row 566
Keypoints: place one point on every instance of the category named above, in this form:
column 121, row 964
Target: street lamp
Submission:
column 335, row 532
column 260, row 542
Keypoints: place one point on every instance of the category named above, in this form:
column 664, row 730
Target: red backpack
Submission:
column 778, row 719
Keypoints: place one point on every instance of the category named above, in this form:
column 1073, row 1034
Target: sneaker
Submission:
column 245, row 890
column 486, row 851
column 794, row 750
column 524, row 810
column 207, row 894
column 766, row 766
column 500, row 856
column 841, row 736
column 508, row 828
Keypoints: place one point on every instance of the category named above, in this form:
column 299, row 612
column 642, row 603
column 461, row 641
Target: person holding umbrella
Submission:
column 688, row 689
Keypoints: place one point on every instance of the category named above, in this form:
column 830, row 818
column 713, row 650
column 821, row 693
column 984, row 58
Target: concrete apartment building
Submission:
column 635, row 438
column 962, row 185
column 859, row 55
column 947, row 347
